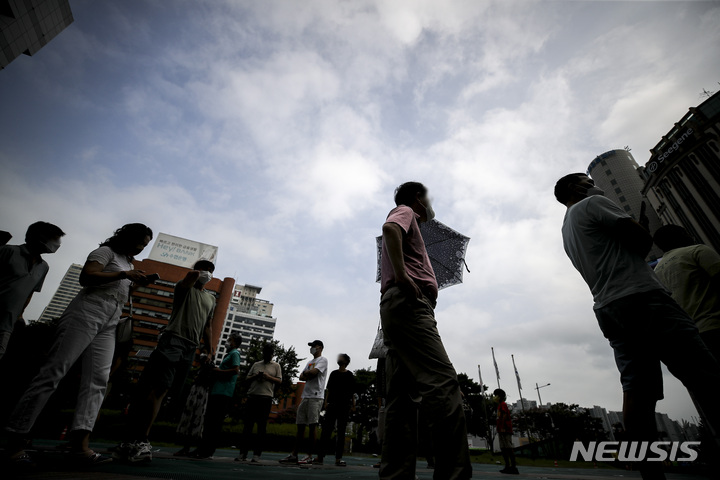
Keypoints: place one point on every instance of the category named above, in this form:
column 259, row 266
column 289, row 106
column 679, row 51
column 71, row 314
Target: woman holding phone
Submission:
column 86, row 330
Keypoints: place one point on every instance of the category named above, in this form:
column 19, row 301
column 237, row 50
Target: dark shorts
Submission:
column 170, row 362
column 644, row 330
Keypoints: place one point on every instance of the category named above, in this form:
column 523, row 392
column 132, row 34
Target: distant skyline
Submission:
column 278, row 131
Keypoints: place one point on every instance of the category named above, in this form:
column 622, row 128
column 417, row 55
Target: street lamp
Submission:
column 538, row 391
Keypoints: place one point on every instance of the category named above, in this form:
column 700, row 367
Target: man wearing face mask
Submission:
column 22, row 273
column 308, row 412
column 418, row 368
column 170, row 362
column 635, row 312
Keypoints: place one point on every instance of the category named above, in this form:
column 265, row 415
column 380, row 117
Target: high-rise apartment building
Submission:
column 69, row 287
column 28, row 25
column 682, row 177
column 248, row 315
column 620, row 176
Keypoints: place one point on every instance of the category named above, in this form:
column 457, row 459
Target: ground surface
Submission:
column 53, row 465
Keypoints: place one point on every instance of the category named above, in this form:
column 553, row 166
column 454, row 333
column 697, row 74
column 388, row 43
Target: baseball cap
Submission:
column 316, row 342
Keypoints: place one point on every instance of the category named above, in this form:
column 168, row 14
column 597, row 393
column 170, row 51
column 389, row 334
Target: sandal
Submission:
column 340, row 463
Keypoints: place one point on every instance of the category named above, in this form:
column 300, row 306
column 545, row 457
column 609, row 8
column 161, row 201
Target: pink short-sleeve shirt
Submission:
column 417, row 262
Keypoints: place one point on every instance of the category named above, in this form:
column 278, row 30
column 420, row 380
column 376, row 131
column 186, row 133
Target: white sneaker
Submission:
column 255, row 459
column 140, row 452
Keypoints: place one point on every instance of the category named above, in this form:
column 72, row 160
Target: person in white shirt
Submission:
column 644, row 325
column 313, row 397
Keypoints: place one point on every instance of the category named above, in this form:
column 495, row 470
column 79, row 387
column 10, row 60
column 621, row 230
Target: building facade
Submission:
column 152, row 306
column 621, row 177
column 248, row 315
column 682, row 177
column 69, row 287
column 28, row 25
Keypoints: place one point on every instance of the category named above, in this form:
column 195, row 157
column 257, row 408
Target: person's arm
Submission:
column 234, row 369
column 207, row 334
column 633, row 236
column 709, row 260
column 92, row 275
column 27, row 302
column 393, row 237
column 189, row 280
column 271, row 379
column 309, row 374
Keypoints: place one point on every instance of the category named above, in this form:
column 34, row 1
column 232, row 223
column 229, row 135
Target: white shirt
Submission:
column 111, row 262
column 607, row 266
column 315, row 387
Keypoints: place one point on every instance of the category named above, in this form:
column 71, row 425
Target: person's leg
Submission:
column 74, row 333
column 217, row 410
column 96, row 363
column 298, row 439
column 410, row 327
column 263, row 413
column 311, row 438
column 398, row 458
column 328, row 425
column 342, row 420
column 248, row 423
column 506, row 456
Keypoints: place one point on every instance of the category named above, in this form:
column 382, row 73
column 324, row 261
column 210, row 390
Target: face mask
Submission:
column 429, row 212
column 52, row 246
column 313, row 350
column 204, row 277
column 592, row 191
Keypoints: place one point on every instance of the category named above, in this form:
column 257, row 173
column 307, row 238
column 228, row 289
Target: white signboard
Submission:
column 180, row 251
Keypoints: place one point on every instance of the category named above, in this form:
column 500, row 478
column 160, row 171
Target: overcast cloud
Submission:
column 278, row 131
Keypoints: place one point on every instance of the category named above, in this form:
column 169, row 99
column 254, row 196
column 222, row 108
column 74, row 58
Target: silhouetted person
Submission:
column 192, row 420
column 692, row 274
column 170, row 362
column 22, row 273
column 263, row 376
column 313, row 396
column 643, row 324
column 505, row 432
column 340, row 398
column 85, row 331
column 221, row 395
column 4, row 237
column 417, row 366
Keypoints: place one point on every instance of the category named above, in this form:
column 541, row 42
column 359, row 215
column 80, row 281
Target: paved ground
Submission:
column 53, row 465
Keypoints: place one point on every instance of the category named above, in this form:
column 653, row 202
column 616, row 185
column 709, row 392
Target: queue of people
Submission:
column 670, row 316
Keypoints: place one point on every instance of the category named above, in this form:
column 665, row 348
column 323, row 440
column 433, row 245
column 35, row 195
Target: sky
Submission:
column 278, row 130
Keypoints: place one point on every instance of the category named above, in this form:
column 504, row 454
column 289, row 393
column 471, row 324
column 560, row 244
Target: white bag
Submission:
column 379, row 350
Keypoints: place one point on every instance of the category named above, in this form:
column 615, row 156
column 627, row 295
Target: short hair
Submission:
column 500, row 393
column 345, row 357
column 268, row 347
column 670, row 237
column 236, row 336
column 562, row 187
column 407, row 193
column 126, row 237
column 43, row 231
column 206, row 265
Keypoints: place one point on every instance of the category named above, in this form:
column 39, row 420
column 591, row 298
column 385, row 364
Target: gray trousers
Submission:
column 87, row 330
column 418, row 368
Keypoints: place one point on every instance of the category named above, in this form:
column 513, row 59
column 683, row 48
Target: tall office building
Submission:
column 69, row 287
column 28, row 25
column 682, row 177
column 171, row 258
column 620, row 176
column 248, row 315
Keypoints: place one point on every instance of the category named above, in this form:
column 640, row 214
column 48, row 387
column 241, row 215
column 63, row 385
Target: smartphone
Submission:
column 153, row 278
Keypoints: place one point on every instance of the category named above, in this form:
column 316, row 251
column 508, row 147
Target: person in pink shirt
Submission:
column 419, row 372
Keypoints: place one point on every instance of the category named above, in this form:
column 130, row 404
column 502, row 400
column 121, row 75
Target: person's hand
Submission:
column 407, row 285
column 136, row 276
column 325, row 405
column 353, row 409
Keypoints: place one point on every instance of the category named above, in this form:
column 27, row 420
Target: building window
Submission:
column 622, row 199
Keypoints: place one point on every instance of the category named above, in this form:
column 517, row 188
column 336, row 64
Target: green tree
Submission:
column 366, row 404
column 481, row 414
